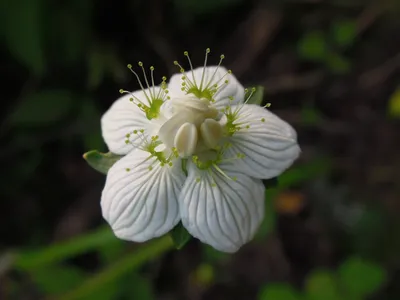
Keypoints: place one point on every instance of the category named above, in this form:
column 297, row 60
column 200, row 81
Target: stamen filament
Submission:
column 215, row 72
column 140, row 83
column 204, row 68
column 145, row 79
column 191, row 67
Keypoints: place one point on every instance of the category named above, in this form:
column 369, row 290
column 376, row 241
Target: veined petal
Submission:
column 212, row 75
column 123, row 117
column 269, row 144
column 220, row 211
column 139, row 199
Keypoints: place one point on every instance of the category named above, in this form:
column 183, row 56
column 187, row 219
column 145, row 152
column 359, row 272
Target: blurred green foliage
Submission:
column 355, row 279
column 394, row 104
column 42, row 108
column 328, row 47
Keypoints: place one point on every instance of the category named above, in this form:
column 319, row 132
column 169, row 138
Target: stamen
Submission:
column 154, row 99
column 191, row 67
column 140, row 64
column 253, row 90
column 216, row 70
column 204, row 68
column 152, row 80
column 140, row 83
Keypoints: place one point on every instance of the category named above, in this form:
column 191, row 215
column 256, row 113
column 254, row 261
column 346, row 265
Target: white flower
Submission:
column 195, row 153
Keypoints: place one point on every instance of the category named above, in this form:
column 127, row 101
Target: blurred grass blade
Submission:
column 23, row 31
column 180, row 236
column 126, row 264
column 56, row 279
column 101, row 162
column 31, row 259
column 42, row 108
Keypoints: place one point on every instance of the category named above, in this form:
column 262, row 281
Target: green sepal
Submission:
column 180, row 236
column 257, row 97
column 101, row 162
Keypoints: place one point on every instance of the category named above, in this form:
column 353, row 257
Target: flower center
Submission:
column 191, row 126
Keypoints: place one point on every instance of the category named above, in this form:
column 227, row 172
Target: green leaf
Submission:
column 256, row 97
column 322, row 285
column 278, row 291
column 313, row 46
column 361, row 278
column 43, row 108
column 344, row 32
column 23, row 33
column 101, row 162
column 394, row 104
column 180, row 236
column 57, row 279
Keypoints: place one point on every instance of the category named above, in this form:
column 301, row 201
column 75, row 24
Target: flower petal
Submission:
column 269, row 144
column 123, row 117
column 219, row 211
column 140, row 204
column 218, row 75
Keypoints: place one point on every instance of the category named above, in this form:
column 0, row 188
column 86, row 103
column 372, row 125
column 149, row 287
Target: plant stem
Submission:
column 116, row 270
column 31, row 259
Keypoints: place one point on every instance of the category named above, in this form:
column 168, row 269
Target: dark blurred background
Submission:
column 329, row 67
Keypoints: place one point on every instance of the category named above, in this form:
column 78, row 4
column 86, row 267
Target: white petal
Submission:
column 269, row 145
column 140, row 204
column 121, row 118
column 225, row 216
column 232, row 88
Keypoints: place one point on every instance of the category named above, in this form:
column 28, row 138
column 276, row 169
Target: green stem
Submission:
column 31, row 259
column 124, row 265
